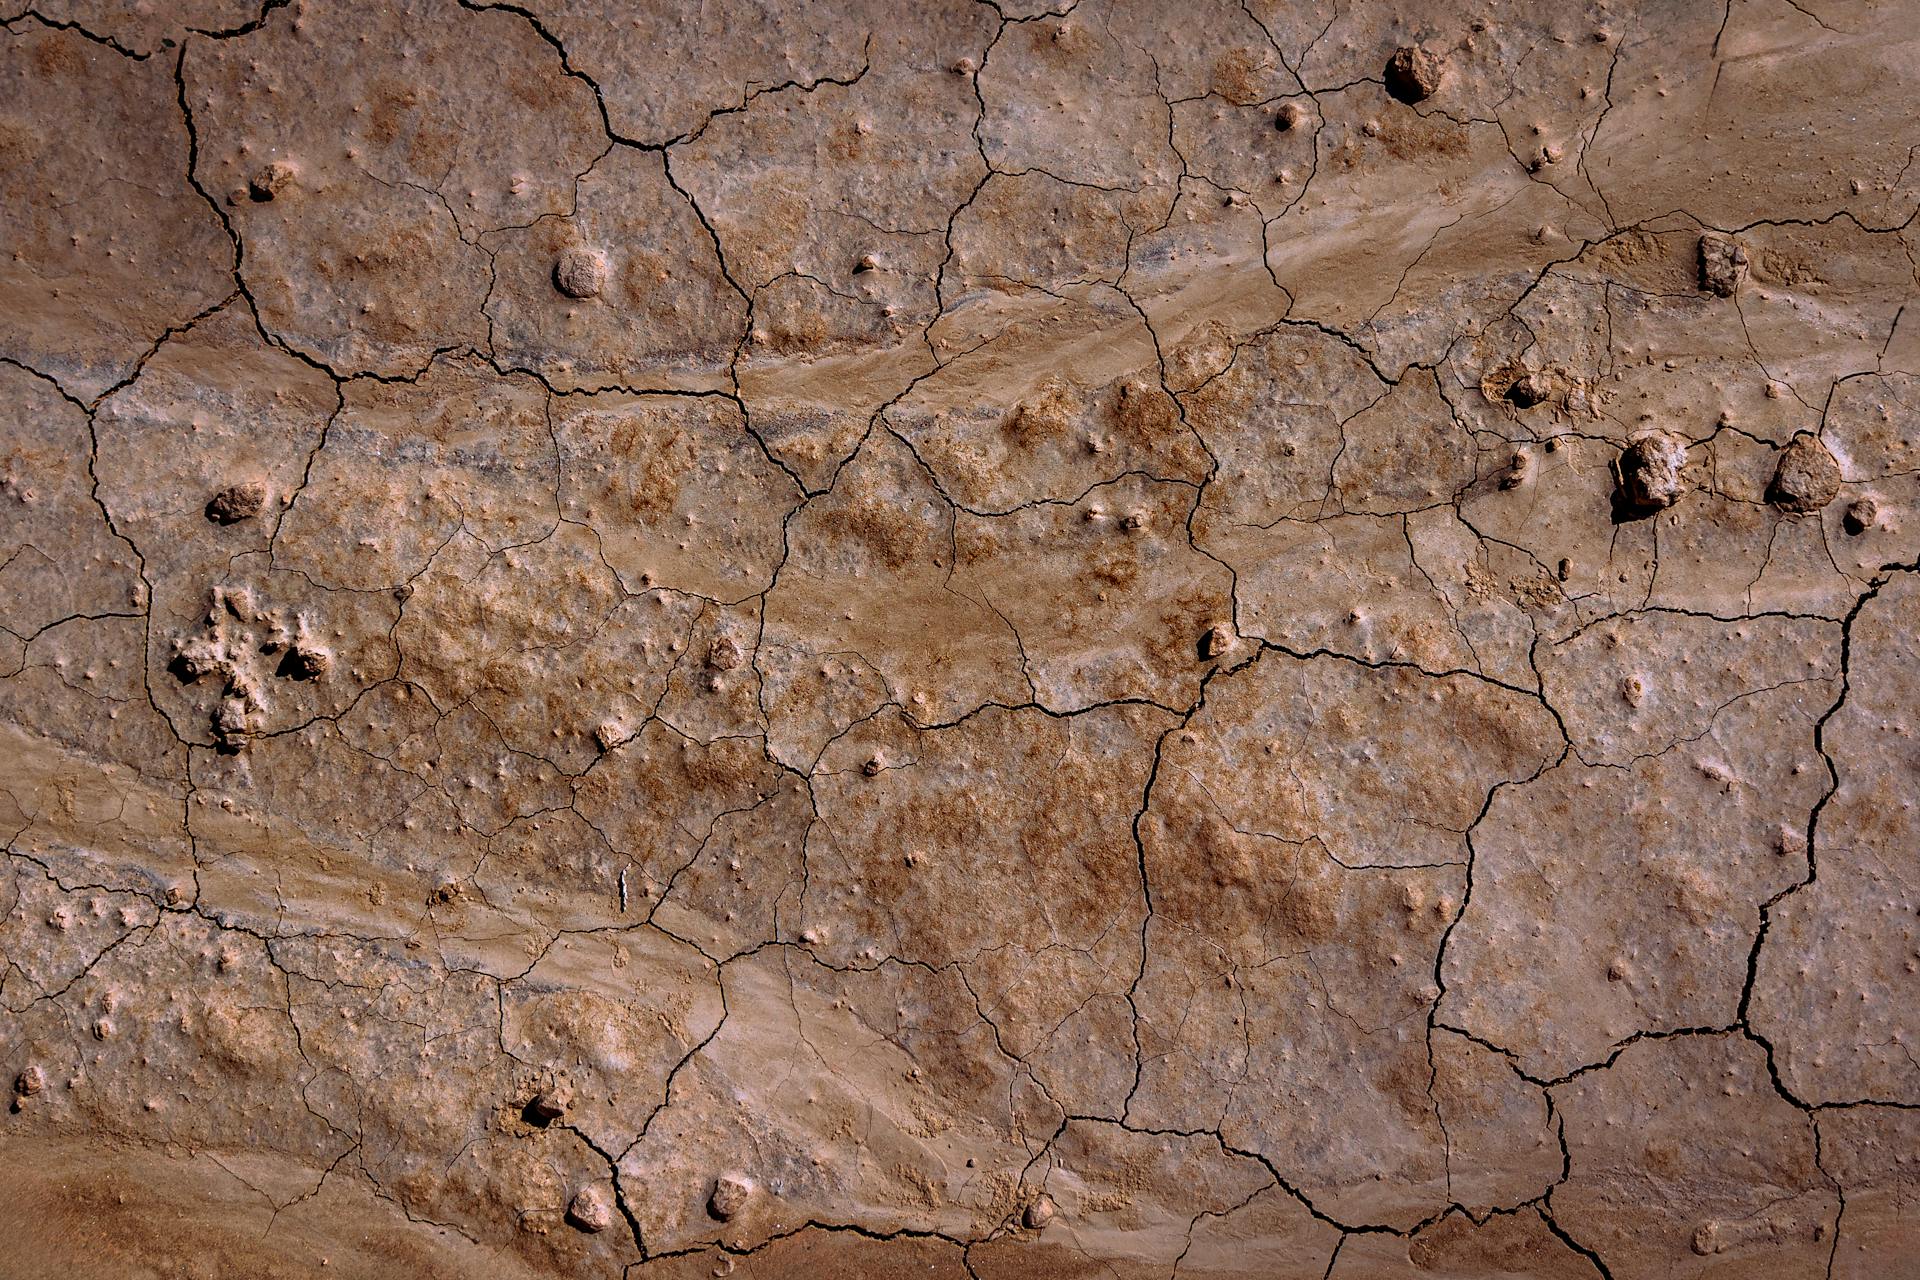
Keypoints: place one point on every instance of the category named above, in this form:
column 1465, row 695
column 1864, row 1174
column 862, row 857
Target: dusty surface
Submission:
column 959, row 640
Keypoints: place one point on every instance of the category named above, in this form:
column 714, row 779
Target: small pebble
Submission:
column 580, row 273
column 237, row 502
column 269, row 181
column 1650, row 471
column 1807, row 478
column 1722, row 263
column 1412, row 74
column 1528, row 390
column 591, row 1210
column 549, row 1105
column 731, row 1191
column 1862, row 514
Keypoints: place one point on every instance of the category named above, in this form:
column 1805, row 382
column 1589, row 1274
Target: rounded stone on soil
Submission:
column 580, row 273
column 1412, row 74
column 237, row 502
column 1650, row 471
column 591, row 1209
column 1807, row 478
column 1290, row 117
column 731, row 1191
column 1040, row 1212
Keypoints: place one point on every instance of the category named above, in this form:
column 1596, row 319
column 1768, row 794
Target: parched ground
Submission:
column 1150, row 638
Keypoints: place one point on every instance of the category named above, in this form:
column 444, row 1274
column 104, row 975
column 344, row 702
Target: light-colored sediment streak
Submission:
column 959, row 639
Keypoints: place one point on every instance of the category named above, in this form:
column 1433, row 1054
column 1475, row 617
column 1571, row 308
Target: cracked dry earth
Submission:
column 950, row 639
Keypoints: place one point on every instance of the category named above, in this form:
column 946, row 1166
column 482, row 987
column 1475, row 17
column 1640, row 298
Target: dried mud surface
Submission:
column 960, row 639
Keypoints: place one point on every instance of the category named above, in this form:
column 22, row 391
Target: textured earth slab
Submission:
column 985, row 639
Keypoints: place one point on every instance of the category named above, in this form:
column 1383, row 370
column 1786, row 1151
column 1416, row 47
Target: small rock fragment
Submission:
column 269, row 181
column 30, row 1081
column 1650, row 471
column 1040, row 1212
column 872, row 767
column 1516, row 473
column 235, row 718
column 731, row 1191
column 548, row 1105
column 580, row 273
column 304, row 662
column 237, row 502
column 1528, row 390
column 591, row 1209
column 1722, row 263
column 724, row 654
column 1807, row 478
column 1217, row 642
column 1862, row 514
column 1412, row 74
column 1290, row 117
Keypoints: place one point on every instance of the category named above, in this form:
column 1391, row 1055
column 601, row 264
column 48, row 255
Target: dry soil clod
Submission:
column 1722, row 263
column 30, row 1081
column 731, row 1191
column 1412, row 74
column 1807, row 478
column 237, row 502
column 580, row 273
column 1650, row 471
